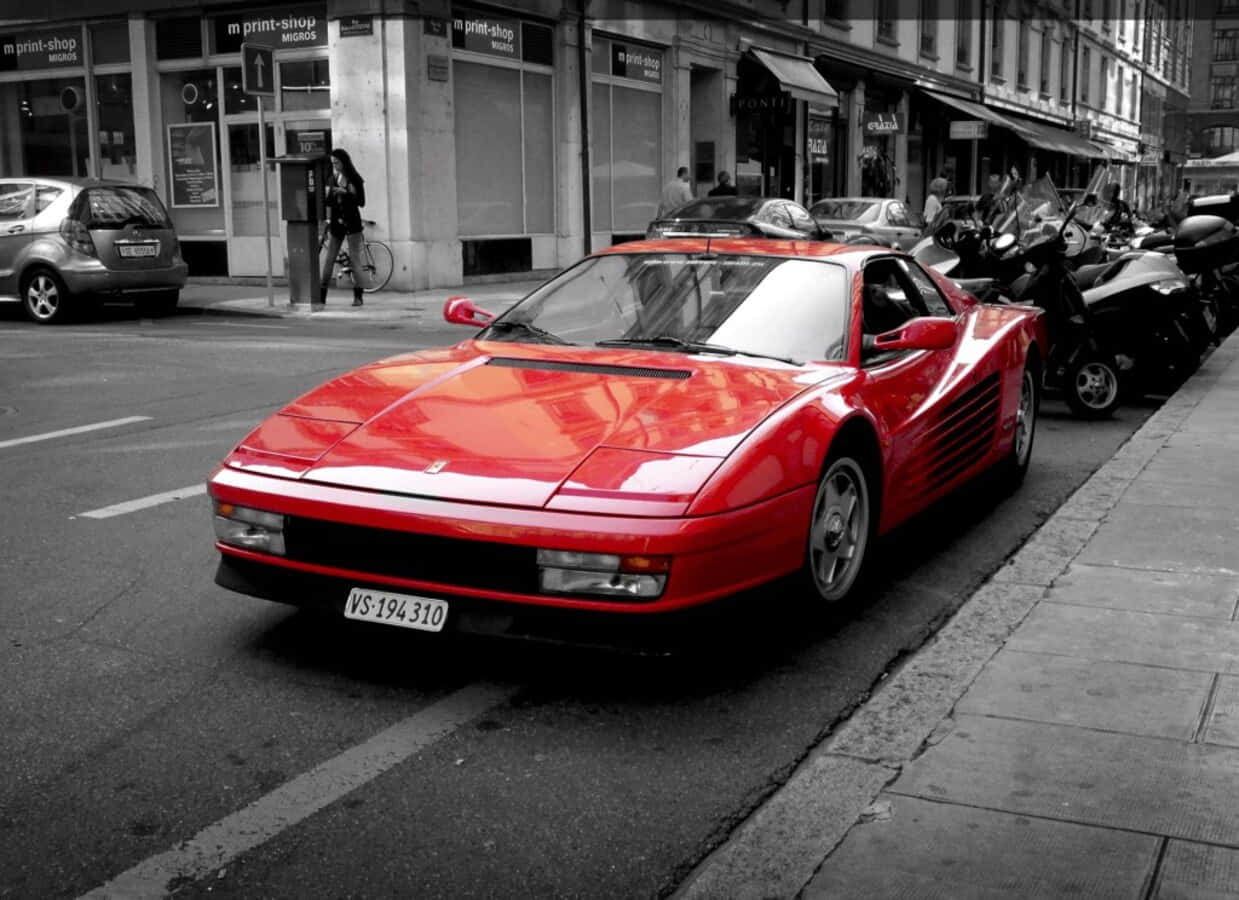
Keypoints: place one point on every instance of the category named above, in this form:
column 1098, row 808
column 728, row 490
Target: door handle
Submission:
column 16, row 228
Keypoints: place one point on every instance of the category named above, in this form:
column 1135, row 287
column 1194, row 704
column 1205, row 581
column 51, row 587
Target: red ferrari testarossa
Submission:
column 662, row 424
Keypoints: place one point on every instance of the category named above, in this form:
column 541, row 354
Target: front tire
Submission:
column 840, row 529
column 44, row 297
column 1092, row 387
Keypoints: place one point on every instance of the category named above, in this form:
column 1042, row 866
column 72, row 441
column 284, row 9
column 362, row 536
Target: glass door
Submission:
column 246, row 253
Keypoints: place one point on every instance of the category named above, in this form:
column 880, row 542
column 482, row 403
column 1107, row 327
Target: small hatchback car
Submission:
column 65, row 240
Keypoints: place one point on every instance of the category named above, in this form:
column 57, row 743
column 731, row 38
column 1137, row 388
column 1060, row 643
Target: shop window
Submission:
column 178, row 38
column 114, row 114
column 499, row 108
column 235, row 98
column 44, row 127
column 305, row 84
column 109, row 43
column 537, row 44
column 191, row 97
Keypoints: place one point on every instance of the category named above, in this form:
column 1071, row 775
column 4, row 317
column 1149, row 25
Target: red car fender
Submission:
column 783, row 453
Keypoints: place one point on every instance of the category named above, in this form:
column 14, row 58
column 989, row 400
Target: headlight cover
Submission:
column 602, row 574
column 252, row 529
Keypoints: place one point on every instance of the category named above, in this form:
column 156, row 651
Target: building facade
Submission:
column 1212, row 114
column 512, row 138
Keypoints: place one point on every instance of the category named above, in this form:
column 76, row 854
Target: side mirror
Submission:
column 925, row 333
column 461, row 310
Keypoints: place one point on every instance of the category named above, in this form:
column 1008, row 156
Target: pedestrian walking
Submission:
column 724, row 188
column 346, row 194
column 676, row 192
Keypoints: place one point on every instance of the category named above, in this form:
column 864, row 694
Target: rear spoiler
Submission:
column 698, row 228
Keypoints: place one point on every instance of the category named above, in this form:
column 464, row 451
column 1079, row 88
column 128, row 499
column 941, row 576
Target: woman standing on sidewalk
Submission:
column 346, row 194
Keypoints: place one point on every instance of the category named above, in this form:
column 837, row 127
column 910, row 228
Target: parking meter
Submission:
column 302, row 179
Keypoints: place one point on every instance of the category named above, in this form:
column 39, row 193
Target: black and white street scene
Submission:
column 736, row 450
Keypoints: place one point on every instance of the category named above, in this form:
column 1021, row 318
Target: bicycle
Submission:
column 376, row 267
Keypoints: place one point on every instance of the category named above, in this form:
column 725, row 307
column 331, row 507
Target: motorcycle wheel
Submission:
column 1091, row 387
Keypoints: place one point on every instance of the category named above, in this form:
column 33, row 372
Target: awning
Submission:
column 798, row 77
column 1115, row 154
column 1060, row 141
column 975, row 110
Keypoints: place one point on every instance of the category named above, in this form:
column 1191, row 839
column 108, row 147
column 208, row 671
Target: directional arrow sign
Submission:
column 257, row 70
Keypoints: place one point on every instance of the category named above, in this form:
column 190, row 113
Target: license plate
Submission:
column 403, row 610
column 131, row 250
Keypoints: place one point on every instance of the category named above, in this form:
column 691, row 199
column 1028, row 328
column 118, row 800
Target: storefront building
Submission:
column 501, row 139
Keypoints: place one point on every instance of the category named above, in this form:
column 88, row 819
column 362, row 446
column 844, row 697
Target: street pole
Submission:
column 266, row 198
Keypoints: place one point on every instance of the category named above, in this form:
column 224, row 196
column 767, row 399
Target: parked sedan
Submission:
column 661, row 425
column 66, row 240
column 876, row 219
column 771, row 217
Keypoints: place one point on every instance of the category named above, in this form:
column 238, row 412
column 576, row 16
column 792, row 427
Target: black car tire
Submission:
column 842, row 526
column 45, row 298
column 159, row 303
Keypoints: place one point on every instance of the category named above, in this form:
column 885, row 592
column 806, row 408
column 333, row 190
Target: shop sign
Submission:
column 970, row 130
column 780, row 102
column 41, row 50
column 312, row 142
column 356, row 26
column 819, row 138
column 280, row 29
column 879, row 123
column 191, row 155
column 486, row 34
column 638, row 63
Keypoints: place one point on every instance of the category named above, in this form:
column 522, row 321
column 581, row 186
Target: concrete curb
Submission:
column 779, row 848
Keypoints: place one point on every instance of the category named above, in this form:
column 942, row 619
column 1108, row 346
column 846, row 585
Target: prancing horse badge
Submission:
column 436, row 467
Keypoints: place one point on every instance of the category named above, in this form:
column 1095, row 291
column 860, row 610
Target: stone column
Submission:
column 571, row 220
column 148, row 140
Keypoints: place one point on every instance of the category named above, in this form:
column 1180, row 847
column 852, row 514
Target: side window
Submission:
column 45, row 196
column 778, row 215
column 15, row 197
column 885, row 303
column 935, row 304
column 897, row 214
column 801, row 220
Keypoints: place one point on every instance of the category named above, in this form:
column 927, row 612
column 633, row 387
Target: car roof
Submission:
column 81, row 181
column 848, row 254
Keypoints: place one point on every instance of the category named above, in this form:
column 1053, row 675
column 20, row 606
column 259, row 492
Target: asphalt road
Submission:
column 159, row 726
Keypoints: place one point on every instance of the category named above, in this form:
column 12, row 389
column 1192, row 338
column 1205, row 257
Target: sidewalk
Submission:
column 1072, row 731
column 417, row 306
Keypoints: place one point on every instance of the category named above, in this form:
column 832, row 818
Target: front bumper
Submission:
column 712, row 556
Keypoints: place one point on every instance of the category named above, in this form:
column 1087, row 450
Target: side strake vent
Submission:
column 962, row 436
column 557, row 366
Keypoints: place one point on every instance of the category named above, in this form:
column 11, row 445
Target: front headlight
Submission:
column 1170, row 286
column 253, row 529
column 602, row 574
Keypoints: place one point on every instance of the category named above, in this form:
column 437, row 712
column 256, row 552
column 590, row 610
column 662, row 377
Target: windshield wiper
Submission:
column 670, row 340
column 505, row 326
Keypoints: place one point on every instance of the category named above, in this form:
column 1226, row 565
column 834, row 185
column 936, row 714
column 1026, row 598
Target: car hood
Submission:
column 514, row 423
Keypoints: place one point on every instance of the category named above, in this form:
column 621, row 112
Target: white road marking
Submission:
column 216, row 845
column 80, row 429
column 119, row 509
column 239, row 325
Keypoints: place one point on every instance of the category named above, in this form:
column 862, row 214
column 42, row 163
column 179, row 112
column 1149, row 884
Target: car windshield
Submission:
column 719, row 208
column 116, row 207
column 781, row 307
column 848, row 210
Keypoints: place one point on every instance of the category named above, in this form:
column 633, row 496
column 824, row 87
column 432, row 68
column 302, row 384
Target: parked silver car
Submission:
column 876, row 220
column 69, row 240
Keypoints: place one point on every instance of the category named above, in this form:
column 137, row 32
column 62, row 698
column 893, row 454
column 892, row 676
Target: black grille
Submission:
column 402, row 554
column 555, row 366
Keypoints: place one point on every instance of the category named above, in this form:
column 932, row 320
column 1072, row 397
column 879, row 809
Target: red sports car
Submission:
column 658, row 426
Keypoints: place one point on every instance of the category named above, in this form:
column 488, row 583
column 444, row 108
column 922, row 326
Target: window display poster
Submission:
column 191, row 155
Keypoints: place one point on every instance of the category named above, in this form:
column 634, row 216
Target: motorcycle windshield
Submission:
column 1039, row 209
column 1103, row 176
